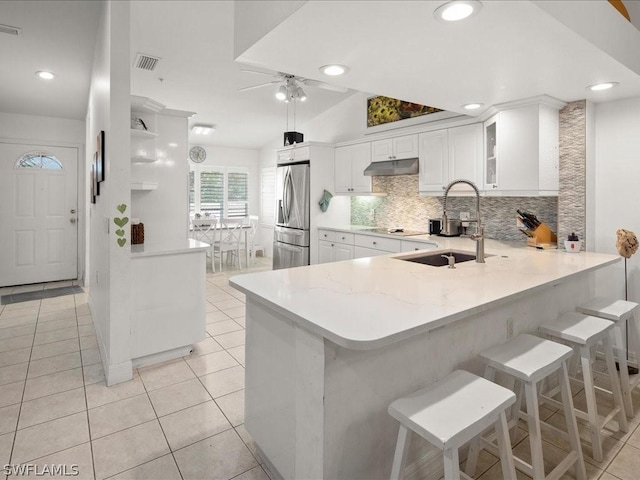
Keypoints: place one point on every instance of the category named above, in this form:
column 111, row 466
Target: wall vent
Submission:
column 146, row 62
column 9, row 30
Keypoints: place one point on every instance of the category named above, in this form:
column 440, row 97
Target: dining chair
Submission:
column 254, row 222
column 204, row 230
column 228, row 240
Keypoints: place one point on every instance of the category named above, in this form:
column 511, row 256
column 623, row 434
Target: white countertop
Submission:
column 170, row 247
column 372, row 302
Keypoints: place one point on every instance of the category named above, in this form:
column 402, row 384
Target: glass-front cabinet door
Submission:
column 491, row 154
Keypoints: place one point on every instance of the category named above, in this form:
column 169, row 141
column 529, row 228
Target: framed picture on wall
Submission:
column 95, row 185
column 100, row 166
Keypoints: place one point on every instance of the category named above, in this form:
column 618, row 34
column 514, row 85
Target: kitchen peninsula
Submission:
column 329, row 346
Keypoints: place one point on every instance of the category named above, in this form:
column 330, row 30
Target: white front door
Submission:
column 38, row 213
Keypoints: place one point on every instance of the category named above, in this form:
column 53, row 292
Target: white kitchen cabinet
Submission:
column 412, row 245
column 294, row 154
column 451, row 154
column 396, row 148
column 350, row 162
column 521, row 151
column 371, row 246
column 335, row 246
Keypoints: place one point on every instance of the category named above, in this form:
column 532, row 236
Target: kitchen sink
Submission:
column 436, row 259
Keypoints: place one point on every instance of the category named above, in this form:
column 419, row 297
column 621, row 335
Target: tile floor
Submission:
column 179, row 420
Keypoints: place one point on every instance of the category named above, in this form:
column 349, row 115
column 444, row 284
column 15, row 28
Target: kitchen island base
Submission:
column 319, row 410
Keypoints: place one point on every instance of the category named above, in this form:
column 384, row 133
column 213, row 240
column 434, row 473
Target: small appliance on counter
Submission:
column 436, row 227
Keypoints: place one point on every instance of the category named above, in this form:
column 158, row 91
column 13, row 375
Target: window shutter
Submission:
column 212, row 193
column 238, row 194
column 268, row 196
column 192, row 192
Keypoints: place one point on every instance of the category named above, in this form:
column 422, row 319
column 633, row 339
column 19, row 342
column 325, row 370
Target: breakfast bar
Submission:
column 330, row 346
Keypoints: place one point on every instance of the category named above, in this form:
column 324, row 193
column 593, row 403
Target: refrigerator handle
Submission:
column 291, row 248
column 287, row 195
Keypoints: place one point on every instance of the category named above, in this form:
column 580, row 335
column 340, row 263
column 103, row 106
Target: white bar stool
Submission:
column 619, row 312
column 448, row 414
column 529, row 360
column 582, row 332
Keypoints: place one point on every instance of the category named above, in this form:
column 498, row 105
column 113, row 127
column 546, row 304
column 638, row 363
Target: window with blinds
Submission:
column 219, row 191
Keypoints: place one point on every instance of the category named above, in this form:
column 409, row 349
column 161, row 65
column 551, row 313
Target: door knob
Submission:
column 72, row 220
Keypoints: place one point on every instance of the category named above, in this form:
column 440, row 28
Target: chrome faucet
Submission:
column 478, row 237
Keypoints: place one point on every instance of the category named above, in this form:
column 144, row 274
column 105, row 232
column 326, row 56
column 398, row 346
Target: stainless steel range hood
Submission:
column 408, row 166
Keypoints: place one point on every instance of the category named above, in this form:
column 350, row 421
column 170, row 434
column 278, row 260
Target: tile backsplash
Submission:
column 404, row 207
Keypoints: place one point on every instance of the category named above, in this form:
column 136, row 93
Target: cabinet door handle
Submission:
column 375, row 243
column 416, row 248
column 332, row 245
column 495, row 186
column 343, row 238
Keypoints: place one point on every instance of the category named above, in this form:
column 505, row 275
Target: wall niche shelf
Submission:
column 143, row 159
column 136, row 132
column 144, row 186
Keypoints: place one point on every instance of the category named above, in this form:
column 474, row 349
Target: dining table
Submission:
column 204, row 229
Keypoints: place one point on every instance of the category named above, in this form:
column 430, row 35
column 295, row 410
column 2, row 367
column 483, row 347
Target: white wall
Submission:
column 109, row 269
column 617, row 188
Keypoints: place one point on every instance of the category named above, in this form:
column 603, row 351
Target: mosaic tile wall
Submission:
column 572, row 210
column 404, row 207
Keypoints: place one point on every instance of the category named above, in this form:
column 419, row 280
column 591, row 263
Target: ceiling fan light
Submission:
column 598, row 87
column 334, row 70
column 457, row 10
column 200, row 129
column 299, row 94
column 282, row 93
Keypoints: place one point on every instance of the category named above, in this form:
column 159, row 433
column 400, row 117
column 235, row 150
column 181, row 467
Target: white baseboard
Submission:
column 162, row 356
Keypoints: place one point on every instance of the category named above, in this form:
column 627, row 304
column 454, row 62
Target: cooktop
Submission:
column 396, row 231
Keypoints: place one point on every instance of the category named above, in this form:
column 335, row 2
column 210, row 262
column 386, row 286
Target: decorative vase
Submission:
column 572, row 246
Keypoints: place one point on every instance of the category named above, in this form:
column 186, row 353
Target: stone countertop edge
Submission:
column 376, row 340
column 188, row 245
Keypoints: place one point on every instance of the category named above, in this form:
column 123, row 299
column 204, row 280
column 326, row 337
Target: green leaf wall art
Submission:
column 121, row 222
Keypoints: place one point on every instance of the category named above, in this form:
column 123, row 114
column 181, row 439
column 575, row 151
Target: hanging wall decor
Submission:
column 381, row 110
column 120, row 223
column 100, row 154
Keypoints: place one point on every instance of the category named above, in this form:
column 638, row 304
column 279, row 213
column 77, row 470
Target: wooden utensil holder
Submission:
column 543, row 237
column 137, row 234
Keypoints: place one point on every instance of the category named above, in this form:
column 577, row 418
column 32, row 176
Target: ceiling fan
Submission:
column 290, row 85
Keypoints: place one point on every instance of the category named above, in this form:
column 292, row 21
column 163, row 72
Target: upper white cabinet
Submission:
column 396, row 148
column 294, row 154
column 451, row 154
column 521, row 151
column 350, row 162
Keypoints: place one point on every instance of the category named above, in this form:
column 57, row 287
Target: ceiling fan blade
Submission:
column 259, row 73
column 326, row 86
column 244, row 89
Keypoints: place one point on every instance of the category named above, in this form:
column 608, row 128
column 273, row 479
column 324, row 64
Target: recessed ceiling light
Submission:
column 45, row 75
column 457, row 10
column 472, row 106
column 200, row 129
column 173, row 144
column 334, row 70
column 602, row 86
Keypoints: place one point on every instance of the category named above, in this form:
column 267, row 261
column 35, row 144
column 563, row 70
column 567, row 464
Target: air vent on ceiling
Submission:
column 146, row 62
column 10, row 30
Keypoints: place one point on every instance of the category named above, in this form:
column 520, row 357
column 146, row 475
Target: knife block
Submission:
column 542, row 237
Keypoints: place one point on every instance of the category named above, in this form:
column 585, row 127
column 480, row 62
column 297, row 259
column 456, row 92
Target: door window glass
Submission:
column 39, row 160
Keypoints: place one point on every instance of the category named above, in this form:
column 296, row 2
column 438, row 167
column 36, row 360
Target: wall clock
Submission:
column 197, row 154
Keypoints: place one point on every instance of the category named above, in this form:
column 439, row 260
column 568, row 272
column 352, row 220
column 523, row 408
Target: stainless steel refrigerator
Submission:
column 291, row 236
